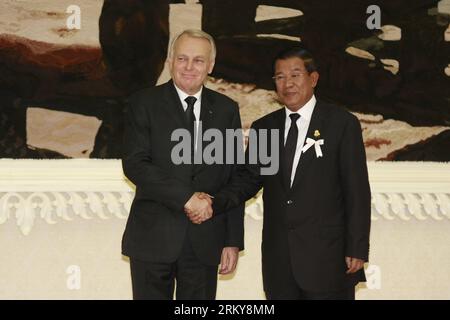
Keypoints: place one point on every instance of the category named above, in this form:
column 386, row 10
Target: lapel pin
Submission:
column 316, row 134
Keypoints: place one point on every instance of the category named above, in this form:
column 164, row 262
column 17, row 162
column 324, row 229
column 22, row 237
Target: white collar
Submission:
column 183, row 95
column 306, row 111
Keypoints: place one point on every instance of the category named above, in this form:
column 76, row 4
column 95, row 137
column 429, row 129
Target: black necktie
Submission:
column 190, row 117
column 290, row 147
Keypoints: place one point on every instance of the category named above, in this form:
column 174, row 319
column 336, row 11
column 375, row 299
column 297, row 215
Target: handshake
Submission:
column 199, row 207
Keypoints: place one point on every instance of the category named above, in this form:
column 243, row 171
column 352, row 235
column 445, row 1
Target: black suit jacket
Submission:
column 157, row 224
column 325, row 216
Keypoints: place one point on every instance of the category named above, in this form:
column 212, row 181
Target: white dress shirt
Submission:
column 305, row 113
column 197, row 105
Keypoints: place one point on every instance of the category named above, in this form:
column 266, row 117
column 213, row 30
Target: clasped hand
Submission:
column 199, row 207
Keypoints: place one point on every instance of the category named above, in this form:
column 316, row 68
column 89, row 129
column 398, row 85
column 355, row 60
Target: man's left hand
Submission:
column 353, row 264
column 229, row 259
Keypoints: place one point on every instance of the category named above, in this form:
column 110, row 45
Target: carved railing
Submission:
column 63, row 189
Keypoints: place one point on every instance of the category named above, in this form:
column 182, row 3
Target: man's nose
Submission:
column 189, row 64
column 289, row 82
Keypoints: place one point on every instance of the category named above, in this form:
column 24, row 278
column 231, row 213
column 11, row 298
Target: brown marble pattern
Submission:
column 72, row 135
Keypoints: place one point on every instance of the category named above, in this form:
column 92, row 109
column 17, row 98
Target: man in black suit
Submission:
column 317, row 207
column 164, row 246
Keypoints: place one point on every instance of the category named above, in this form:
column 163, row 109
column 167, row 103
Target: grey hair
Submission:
column 195, row 33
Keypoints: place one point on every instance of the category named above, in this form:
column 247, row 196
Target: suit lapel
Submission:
column 316, row 123
column 174, row 106
column 206, row 110
column 206, row 115
column 280, row 123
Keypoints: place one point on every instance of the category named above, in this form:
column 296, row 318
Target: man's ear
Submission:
column 211, row 67
column 314, row 78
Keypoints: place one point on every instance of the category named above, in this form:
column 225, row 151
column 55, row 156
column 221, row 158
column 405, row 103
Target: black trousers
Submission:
column 156, row 281
column 300, row 294
column 288, row 289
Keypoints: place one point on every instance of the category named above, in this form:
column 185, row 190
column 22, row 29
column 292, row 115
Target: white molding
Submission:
column 412, row 177
column 62, row 175
column 97, row 188
column 27, row 206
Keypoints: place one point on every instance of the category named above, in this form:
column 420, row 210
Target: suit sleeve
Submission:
column 354, row 177
column 153, row 182
column 245, row 182
column 235, row 227
column 235, row 216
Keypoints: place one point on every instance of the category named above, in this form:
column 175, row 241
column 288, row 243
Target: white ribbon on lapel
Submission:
column 316, row 143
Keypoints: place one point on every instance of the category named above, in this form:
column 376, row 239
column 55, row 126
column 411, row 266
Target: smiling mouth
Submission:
column 189, row 76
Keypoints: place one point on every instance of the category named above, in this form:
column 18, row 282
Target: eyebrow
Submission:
column 295, row 69
column 196, row 57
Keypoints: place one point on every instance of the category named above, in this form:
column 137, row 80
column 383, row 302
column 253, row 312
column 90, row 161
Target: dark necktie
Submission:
column 190, row 117
column 290, row 146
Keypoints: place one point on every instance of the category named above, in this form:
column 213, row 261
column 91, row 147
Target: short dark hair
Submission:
column 298, row 52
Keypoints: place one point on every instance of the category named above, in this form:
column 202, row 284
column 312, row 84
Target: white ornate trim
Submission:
column 89, row 188
column 26, row 206
column 62, row 188
column 410, row 190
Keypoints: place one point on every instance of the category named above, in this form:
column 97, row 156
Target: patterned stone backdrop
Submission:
column 67, row 66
